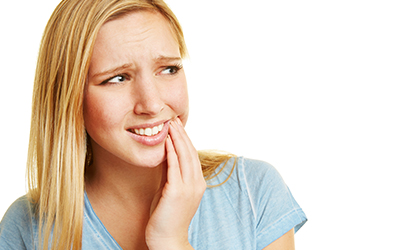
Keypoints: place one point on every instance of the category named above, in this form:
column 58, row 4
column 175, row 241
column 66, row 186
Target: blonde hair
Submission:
column 58, row 141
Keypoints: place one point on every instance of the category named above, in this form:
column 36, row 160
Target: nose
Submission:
column 147, row 96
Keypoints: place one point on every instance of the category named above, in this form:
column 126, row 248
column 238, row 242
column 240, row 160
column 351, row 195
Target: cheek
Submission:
column 178, row 99
column 101, row 113
column 179, row 102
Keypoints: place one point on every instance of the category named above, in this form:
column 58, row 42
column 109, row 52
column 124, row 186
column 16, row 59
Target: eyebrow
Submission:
column 110, row 71
column 168, row 58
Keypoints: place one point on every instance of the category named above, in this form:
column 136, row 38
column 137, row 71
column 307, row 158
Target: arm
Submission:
column 285, row 242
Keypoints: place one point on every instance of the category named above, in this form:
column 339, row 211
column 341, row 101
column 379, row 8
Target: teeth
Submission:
column 149, row 131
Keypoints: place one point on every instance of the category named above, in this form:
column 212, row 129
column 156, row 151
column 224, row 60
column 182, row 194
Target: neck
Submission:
column 124, row 183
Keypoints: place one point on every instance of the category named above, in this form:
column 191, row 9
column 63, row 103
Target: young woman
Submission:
column 110, row 165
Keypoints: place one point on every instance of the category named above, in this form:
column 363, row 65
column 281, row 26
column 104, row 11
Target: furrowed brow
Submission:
column 111, row 71
column 167, row 58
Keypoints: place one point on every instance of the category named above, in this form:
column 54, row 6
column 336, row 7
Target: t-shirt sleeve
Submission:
column 275, row 209
column 16, row 226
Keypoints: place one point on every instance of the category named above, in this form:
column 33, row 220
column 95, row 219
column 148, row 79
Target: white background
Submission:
column 310, row 86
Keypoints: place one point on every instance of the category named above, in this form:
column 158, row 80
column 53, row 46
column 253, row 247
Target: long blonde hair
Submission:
column 58, row 141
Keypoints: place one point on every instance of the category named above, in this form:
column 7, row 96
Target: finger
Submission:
column 174, row 172
column 181, row 147
column 185, row 156
column 185, row 137
column 190, row 145
column 193, row 167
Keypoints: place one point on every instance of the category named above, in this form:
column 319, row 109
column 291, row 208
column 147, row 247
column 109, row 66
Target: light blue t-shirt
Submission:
column 250, row 211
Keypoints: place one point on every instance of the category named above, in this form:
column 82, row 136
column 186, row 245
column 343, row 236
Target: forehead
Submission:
column 138, row 19
column 139, row 33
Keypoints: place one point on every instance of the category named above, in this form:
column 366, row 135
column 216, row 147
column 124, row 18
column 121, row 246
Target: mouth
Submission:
column 150, row 131
column 149, row 134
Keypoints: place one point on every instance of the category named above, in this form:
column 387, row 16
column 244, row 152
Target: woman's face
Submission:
column 136, row 84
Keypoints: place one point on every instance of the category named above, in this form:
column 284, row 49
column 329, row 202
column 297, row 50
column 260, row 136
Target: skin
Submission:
column 285, row 242
column 137, row 190
column 136, row 80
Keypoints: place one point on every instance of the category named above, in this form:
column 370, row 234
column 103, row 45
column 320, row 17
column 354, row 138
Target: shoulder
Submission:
column 19, row 207
column 17, row 224
column 254, row 203
column 248, row 173
column 254, row 182
column 261, row 176
column 276, row 209
column 258, row 169
column 19, row 213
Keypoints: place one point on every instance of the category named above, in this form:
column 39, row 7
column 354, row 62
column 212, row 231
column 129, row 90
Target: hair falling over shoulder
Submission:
column 58, row 141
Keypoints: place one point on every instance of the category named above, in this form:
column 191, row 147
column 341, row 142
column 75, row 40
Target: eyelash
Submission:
column 176, row 68
column 109, row 79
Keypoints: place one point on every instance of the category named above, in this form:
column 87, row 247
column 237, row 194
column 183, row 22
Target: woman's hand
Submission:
column 175, row 205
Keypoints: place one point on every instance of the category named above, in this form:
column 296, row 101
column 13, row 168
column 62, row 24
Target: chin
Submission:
column 150, row 159
column 153, row 164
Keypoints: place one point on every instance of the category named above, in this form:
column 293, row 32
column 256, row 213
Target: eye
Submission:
column 115, row 80
column 171, row 70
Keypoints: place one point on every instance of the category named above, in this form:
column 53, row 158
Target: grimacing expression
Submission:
column 136, row 84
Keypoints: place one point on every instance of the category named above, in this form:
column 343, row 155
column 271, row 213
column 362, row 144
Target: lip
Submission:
column 148, row 125
column 150, row 140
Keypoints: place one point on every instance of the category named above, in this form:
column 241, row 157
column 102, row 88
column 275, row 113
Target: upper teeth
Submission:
column 149, row 131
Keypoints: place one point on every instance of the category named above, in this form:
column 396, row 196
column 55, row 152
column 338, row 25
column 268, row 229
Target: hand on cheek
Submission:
column 181, row 195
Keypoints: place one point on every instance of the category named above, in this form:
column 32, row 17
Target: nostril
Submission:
column 148, row 108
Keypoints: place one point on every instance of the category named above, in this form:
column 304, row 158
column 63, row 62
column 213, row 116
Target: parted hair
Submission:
column 58, row 150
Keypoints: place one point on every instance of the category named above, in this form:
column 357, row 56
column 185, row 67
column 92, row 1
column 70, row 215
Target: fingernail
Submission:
column 171, row 123
column 179, row 121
